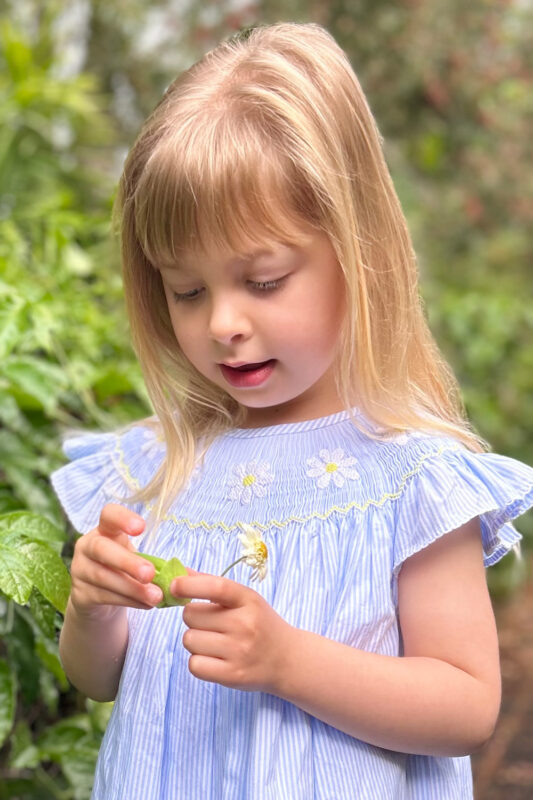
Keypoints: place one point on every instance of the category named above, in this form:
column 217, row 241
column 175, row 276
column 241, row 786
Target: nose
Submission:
column 228, row 321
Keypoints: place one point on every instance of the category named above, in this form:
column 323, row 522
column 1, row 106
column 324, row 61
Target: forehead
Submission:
column 249, row 253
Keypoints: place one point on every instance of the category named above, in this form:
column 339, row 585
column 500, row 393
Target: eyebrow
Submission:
column 247, row 257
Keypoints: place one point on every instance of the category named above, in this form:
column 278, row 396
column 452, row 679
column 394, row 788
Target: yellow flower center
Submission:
column 248, row 480
column 261, row 551
column 331, row 467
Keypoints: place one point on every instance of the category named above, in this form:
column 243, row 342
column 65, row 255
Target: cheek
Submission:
column 184, row 333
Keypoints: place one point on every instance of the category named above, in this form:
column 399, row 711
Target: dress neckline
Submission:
column 292, row 427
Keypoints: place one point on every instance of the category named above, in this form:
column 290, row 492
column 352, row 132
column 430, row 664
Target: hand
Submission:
column 105, row 570
column 237, row 639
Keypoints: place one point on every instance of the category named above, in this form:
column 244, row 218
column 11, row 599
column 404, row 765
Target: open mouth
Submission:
column 251, row 367
column 248, row 374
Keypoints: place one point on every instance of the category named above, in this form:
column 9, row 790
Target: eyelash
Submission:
column 259, row 286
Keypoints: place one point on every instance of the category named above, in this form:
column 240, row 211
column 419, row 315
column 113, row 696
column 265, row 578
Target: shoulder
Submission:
column 442, row 485
column 106, row 467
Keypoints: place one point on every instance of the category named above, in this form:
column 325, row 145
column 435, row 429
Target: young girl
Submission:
column 272, row 292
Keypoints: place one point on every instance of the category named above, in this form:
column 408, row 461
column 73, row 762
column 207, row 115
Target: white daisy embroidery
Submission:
column 332, row 466
column 249, row 480
column 396, row 437
column 153, row 445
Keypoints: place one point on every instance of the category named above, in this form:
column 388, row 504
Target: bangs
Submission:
column 222, row 185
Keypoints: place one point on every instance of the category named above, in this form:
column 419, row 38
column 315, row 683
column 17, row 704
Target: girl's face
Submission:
column 264, row 328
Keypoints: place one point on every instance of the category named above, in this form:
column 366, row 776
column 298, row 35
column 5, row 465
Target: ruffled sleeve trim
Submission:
column 452, row 488
column 104, row 468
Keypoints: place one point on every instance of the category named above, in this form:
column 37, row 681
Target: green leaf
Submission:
column 99, row 714
column 38, row 379
column 48, row 653
column 11, row 308
column 76, row 260
column 165, row 572
column 25, row 563
column 8, row 501
column 14, row 580
column 7, row 700
column 24, row 789
column 62, row 737
column 24, row 525
column 6, row 615
column 79, row 766
column 28, row 489
column 48, row 572
column 43, row 614
column 22, row 657
column 23, row 754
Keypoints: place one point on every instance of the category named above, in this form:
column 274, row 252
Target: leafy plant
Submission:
column 65, row 362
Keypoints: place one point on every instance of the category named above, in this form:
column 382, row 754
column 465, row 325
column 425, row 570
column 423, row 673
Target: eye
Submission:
column 267, row 286
column 181, row 297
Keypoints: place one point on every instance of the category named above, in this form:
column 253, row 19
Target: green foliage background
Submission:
column 451, row 87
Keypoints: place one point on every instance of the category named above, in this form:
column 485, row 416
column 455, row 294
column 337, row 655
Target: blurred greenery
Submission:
column 450, row 85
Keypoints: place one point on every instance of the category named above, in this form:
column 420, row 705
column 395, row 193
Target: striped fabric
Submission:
column 339, row 512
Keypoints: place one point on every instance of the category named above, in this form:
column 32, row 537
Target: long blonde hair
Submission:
column 266, row 132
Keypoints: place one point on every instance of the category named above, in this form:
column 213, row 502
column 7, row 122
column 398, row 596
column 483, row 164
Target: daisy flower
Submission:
column 255, row 553
column 249, row 480
column 332, row 466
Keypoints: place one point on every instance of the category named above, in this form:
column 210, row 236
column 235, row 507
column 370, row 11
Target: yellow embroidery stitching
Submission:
column 274, row 523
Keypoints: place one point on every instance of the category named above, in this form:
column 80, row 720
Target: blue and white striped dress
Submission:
column 339, row 512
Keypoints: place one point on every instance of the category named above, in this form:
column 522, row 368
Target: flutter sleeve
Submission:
column 104, row 468
column 449, row 488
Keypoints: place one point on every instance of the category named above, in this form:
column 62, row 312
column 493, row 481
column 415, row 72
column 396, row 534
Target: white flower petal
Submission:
column 264, row 473
column 234, row 492
column 349, row 472
column 316, row 472
column 337, row 455
column 315, row 463
column 338, row 478
column 246, row 495
column 324, row 480
column 348, row 462
column 325, row 456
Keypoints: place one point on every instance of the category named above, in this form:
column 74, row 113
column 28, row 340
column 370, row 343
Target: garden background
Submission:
column 450, row 84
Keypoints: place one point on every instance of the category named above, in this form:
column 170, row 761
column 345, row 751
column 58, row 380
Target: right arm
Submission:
column 107, row 576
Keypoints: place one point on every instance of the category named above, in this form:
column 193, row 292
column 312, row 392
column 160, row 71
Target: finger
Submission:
column 206, row 616
column 105, row 597
column 112, row 554
column 93, row 578
column 214, row 670
column 205, row 643
column 224, row 591
column 116, row 519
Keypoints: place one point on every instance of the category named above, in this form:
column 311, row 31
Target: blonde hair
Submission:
column 269, row 132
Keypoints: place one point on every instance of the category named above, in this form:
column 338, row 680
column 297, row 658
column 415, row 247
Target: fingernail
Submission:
column 135, row 526
column 145, row 573
column 155, row 594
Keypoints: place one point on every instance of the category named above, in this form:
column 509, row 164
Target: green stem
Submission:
column 242, row 558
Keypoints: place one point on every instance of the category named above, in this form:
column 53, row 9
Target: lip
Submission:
column 248, row 378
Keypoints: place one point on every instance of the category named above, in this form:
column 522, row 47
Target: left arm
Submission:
column 441, row 698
